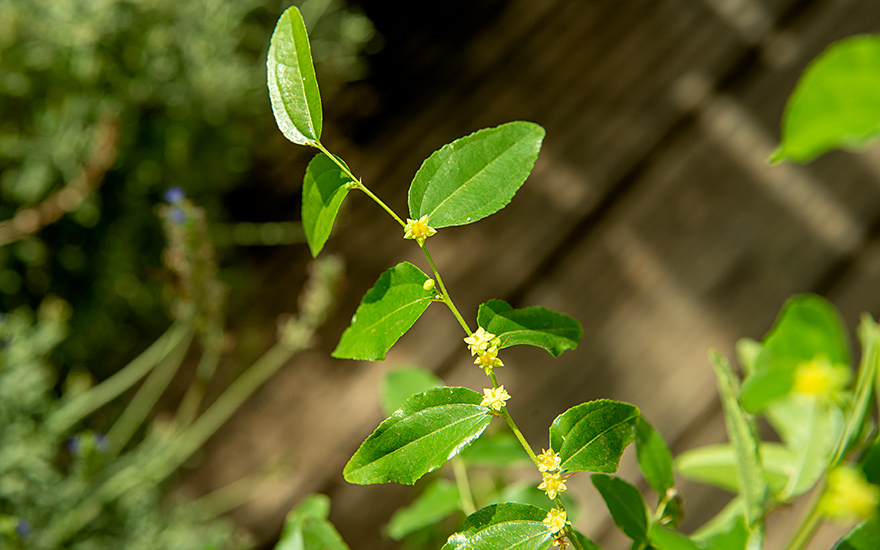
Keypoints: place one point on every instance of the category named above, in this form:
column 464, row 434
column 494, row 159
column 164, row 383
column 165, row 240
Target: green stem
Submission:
column 459, row 469
column 358, row 182
column 519, row 435
column 809, row 523
column 446, row 298
column 84, row 404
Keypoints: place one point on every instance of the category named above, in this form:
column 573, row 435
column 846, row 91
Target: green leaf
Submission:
column 592, row 436
column 439, row 500
column 323, row 192
column 386, row 312
column 293, row 87
column 654, row 457
column 808, row 327
column 864, row 537
column 307, row 528
column 430, row 428
column 401, row 383
column 664, row 539
column 586, row 543
column 474, row 176
column 625, row 504
column 735, row 536
column 528, row 493
column 836, row 102
column 749, row 472
column 507, row 526
column 534, row 326
column 501, row 449
column 716, row 465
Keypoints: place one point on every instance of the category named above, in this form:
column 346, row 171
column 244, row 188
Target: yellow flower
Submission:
column 479, row 340
column 418, row 229
column 553, row 484
column 556, row 520
column 548, row 461
column 819, row 378
column 848, row 496
column 488, row 359
column 495, row 397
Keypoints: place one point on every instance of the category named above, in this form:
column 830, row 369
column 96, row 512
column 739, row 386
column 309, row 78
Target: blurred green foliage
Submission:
column 182, row 84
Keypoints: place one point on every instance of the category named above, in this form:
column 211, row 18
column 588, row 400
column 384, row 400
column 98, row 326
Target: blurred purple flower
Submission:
column 174, row 195
column 177, row 215
column 23, row 528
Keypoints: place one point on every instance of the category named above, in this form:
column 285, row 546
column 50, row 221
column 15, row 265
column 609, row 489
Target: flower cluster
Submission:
column 556, row 520
column 549, row 464
column 494, row 398
column 485, row 346
column 820, row 379
column 418, row 229
column 548, row 461
column 849, row 496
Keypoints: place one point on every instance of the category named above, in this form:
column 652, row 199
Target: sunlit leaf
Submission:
column 323, row 192
column 749, row 472
column 475, row 176
column 507, row 526
column 534, row 326
column 654, row 457
column 626, row 505
column 386, row 312
column 293, row 87
column 528, row 493
column 592, row 436
column 401, row 383
column 439, row 500
column 430, row 428
column 836, row 102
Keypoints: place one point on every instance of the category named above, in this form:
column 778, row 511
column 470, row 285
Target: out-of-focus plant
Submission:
column 104, row 104
column 65, row 485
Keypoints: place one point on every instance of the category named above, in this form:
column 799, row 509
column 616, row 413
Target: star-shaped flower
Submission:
column 494, row 398
column 553, row 484
column 488, row 359
column 418, row 229
column 548, row 461
column 556, row 520
column 479, row 340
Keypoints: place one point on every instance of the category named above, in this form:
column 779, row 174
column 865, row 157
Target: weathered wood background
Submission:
column 651, row 216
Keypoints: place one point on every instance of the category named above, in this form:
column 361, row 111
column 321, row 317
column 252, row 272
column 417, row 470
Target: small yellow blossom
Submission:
column 819, row 378
column 488, row 359
column 418, row 229
column 848, row 496
column 556, row 520
column 495, row 397
column 548, row 461
column 479, row 340
column 553, row 484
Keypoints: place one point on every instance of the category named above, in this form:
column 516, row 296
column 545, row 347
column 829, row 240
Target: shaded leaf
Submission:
column 534, row 326
column 474, row 176
column 749, row 472
column 323, row 192
column 507, row 526
column 430, row 428
column 500, row 449
column 716, row 465
column 625, row 504
column 592, row 436
column 386, row 312
column 864, row 537
column 654, row 457
column 400, row 384
column 293, row 87
column 836, row 102
column 586, row 543
column 664, row 539
column 307, row 528
column 439, row 500
column 528, row 493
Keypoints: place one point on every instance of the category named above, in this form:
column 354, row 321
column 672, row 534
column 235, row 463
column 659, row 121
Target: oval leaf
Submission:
column 592, row 436
column 386, row 312
column 293, row 87
column 534, row 326
column 655, row 458
column 626, row 505
column 323, row 192
column 836, row 102
column 664, row 539
column 507, row 526
column 430, row 428
column 475, row 176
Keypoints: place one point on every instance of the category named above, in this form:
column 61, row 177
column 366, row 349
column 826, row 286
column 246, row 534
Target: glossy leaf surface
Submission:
column 430, row 428
column 400, row 384
column 507, row 526
column 293, row 87
column 654, row 457
column 592, row 436
column 836, row 102
column 626, row 505
column 534, row 326
column 323, row 192
column 475, row 176
column 439, row 500
column 386, row 312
